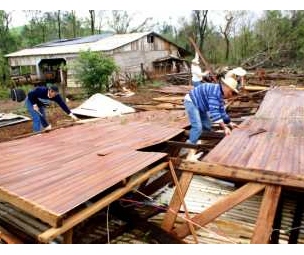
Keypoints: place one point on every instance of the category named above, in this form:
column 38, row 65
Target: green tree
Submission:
column 93, row 70
column 8, row 43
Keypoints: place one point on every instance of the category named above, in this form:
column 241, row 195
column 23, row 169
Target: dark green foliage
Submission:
column 93, row 70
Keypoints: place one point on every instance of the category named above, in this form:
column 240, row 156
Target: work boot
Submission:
column 48, row 128
column 191, row 155
column 183, row 152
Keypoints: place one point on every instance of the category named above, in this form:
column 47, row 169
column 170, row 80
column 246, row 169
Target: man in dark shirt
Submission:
column 36, row 106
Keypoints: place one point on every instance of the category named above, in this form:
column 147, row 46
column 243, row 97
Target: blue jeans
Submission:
column 199, row 121
column 38, row 119
column 196, row 83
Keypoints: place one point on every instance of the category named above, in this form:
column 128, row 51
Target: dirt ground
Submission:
column 56, row 116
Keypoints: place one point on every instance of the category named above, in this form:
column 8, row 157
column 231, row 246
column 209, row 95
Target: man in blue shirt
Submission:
column 36, row 107
column 206, row 102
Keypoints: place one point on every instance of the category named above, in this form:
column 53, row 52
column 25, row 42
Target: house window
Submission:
column 150, row 39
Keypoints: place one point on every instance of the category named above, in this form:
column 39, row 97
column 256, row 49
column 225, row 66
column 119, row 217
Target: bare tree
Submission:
column 99, row 20
column 73, row 16
column 92, row 20
column 37, row 19
column 200, row 24
column 59, row 24
column 226, row 30
column 121, row 23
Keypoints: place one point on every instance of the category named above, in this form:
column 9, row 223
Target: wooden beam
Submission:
column 189, row 145
column 240, row 174
column 222, row 205
column 30, row 208
column 206, row 64
column 78, row 217
column 68, row 237
column 156, row 184
column 181, row 197
column 263, row 227
column 175, row 203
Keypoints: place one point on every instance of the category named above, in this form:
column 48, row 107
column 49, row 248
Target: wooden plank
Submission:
column 222, row 205
column 263, row 227
column 181, row 197
column 244, row 174
column 75, row 219
column 175, row 203
column 30, row 208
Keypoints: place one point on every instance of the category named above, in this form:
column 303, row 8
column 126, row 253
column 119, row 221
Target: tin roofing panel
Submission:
column 104, row 44
column 55, row 172
column 279, row 148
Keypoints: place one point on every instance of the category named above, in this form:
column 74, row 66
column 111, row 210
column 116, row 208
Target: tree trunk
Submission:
column 92, row 17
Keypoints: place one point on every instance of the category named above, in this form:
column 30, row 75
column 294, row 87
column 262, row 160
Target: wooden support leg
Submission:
column 68, row 237
column 263, row 227
column 181, row 197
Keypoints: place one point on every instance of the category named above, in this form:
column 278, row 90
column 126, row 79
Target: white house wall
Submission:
column 128, row 57
column 33, row 60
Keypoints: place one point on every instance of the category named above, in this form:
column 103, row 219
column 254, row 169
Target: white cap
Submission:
column 239, row 71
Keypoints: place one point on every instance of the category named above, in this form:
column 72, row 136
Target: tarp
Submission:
column 101, row 106
column 7, row 119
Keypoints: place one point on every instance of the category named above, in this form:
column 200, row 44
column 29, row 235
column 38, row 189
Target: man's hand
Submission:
column 233, row 125
column 73, row 117
column 36, row 108
column 227, row 130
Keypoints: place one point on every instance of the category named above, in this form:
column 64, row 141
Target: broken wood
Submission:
column 222, row 205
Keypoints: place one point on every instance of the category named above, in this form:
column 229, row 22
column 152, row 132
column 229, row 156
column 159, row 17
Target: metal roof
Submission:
column 49, row 174
column 105, row 43
column 277, row 150
column 87, row 39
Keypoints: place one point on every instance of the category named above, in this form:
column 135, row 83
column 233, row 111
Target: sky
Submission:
column 167, row 10
column 169, row 16
column 156, row 5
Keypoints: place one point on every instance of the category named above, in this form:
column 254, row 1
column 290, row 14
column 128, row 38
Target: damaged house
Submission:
column 134, row 53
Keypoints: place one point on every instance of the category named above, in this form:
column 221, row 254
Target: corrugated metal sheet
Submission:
column 87, row 39
column 279, row 149
column 105, row 44
column 55, row 172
